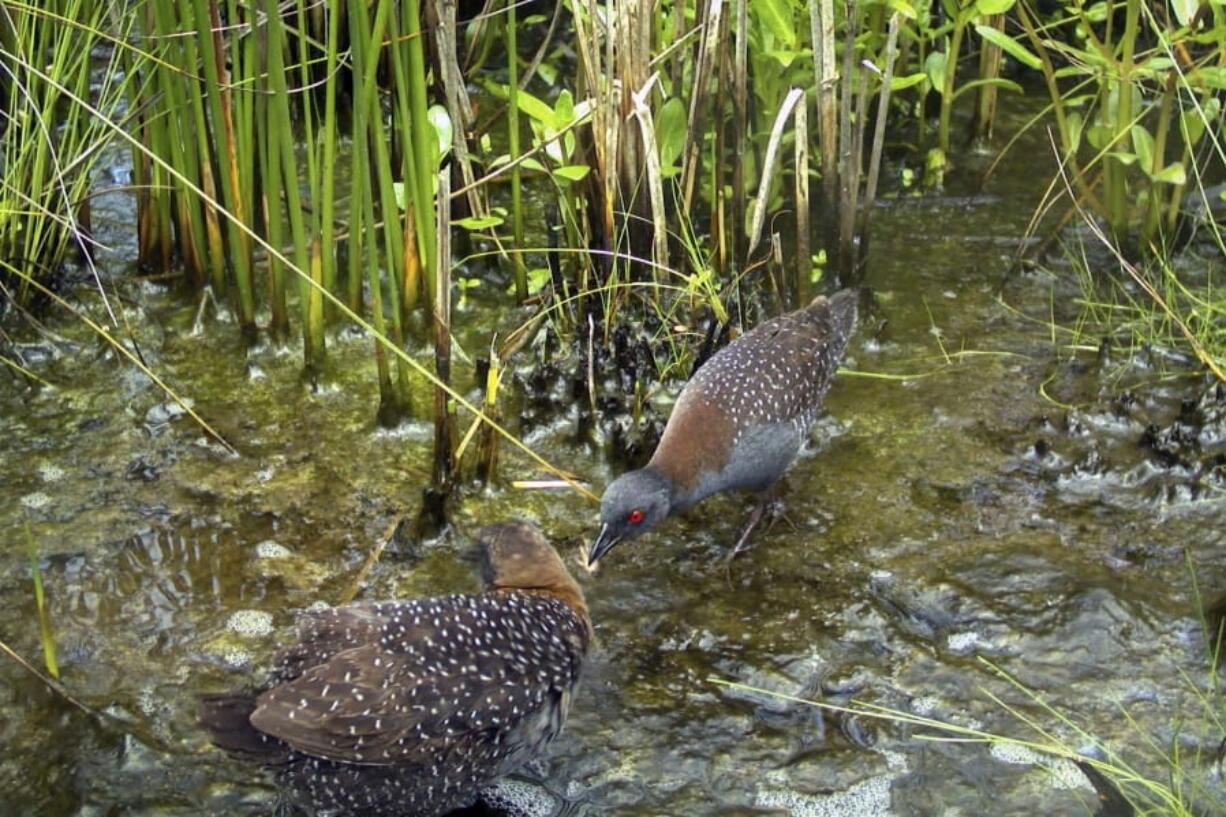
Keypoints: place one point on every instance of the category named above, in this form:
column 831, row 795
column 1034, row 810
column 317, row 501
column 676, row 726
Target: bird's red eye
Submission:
column 635, row 517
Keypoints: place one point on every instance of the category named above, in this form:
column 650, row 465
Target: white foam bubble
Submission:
column 36, row 500
column 268, row 549
column 962, row 642
column 250, row 622
column 1064, row 773
column 236, row 659
column 520, row 799
column 868, row 798
column 49, row 472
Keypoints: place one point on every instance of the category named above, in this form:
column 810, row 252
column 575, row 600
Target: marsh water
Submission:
column 1007, row 505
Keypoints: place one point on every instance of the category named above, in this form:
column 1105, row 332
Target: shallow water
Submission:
column 936, row 521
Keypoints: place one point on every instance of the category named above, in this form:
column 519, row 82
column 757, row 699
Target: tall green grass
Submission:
column 49, row 147
column 675, row 150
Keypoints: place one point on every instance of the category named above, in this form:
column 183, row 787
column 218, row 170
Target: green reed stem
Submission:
column 422, row 136
column 44, row 620
column 326, row 228
column 517, row 216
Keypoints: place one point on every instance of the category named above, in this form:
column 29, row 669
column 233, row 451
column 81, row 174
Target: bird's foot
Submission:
column 776, row 511
column 768, row 507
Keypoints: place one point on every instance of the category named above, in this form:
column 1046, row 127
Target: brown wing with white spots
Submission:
column 324, row 633
column 460, row 676
column 778, row 372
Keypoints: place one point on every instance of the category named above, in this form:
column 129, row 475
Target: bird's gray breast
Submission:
column 759, row 455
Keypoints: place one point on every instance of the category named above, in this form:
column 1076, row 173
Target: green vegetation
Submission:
column 311, row 165
column 293, row 156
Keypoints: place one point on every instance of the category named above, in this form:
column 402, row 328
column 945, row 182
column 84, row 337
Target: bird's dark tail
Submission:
column 227, row 719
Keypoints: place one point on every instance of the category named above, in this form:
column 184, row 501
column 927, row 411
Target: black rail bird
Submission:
column 412, row 707
column 737, row 424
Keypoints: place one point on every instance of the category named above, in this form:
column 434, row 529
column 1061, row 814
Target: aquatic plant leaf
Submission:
column 473, row 223
column 1143, row 144
column 999, row 82
column 776, row 15
column 1185, row 10
column 440, row 121
column 1194, row 119
column 784, row 56
column 564, row 110
column 1076, row 125
column 901, row 83
column 670, row 132
column 1210, row 76
column 993, row 6
column 1172, row 174
column 572, row 173
column 528, row 104
column 903, row 7
column 537, row 278
column 1009, row 45
column 1098, row 135
column 934, row 67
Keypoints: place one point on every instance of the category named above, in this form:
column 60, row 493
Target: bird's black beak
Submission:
column 605, row 541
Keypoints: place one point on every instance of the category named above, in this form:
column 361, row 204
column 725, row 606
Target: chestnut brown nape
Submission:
column 517, row 556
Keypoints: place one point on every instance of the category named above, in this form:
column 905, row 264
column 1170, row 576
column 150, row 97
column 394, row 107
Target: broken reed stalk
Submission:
column 842, row 246
column 655, row 176
column 874, row 161
column 821, row 29
column 695, row 128
column 851, row 216
column 740, row 126
column 769, row 164
column 487, row 445
column 800, row 289
column 443, row 411
column 989, row 69
column 517, row 215
column 588, row 83
column 459, row 106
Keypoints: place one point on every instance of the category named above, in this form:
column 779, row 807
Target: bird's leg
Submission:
column 764, row 507
column 755, row 517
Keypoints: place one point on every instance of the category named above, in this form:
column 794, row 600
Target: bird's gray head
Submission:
column 633, row 504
